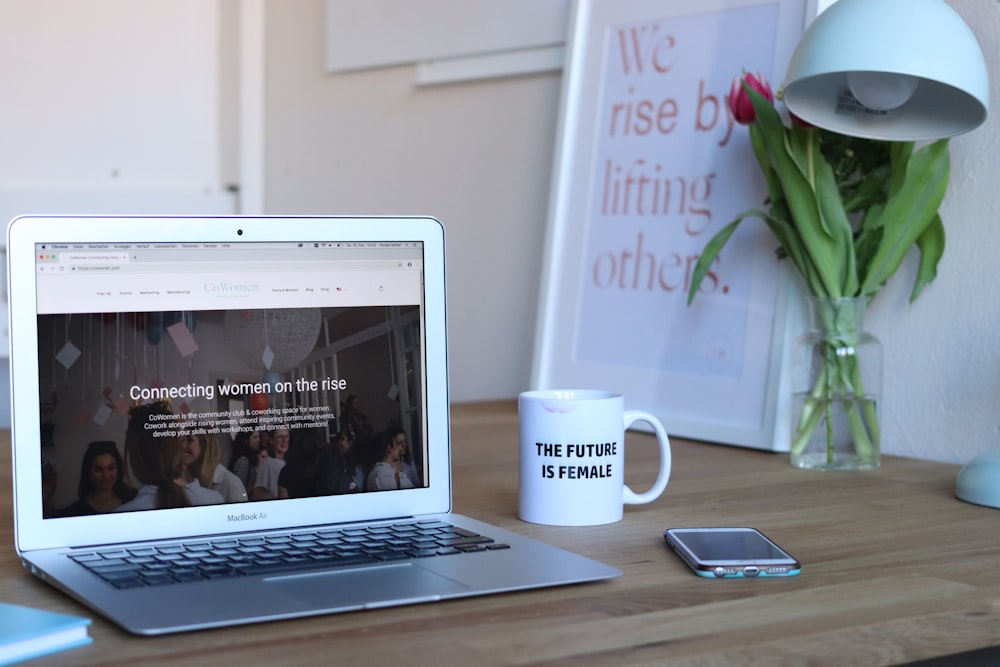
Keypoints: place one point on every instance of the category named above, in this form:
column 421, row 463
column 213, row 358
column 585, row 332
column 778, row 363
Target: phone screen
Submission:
column 730, row 545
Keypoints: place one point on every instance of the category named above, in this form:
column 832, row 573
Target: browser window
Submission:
column 253, row 353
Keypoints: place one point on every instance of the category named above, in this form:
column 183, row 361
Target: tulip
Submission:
column 739, row 100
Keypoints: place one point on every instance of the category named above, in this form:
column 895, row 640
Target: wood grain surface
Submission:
column 895, row 569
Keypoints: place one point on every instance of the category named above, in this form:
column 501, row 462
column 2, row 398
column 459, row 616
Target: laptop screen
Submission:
column 186, row 374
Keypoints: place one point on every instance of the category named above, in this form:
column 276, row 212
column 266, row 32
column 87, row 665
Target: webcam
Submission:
column 239, row 232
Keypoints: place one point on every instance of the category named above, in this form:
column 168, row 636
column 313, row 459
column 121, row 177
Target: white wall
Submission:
column 110, row 95
column 478, row 155
column 112, row 106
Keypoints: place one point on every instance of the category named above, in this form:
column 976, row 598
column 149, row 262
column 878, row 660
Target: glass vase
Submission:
column 836, row 389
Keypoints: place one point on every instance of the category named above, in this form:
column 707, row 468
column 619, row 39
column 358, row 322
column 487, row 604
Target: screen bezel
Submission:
column 34, row 532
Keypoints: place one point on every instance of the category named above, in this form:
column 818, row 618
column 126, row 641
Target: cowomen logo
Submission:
column 231, row 288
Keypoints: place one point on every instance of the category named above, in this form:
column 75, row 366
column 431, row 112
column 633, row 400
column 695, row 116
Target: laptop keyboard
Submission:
column 157, row 565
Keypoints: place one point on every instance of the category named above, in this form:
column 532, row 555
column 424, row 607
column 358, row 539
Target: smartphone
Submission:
column 731, row 553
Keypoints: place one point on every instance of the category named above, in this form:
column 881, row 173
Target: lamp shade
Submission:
column 899, row 70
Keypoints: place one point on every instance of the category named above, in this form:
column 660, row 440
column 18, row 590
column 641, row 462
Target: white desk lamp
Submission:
column 896, row 70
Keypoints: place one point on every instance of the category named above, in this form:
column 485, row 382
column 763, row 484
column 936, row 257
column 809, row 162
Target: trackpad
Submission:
column 357, row 587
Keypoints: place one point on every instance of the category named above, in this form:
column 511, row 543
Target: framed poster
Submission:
column 649, row 166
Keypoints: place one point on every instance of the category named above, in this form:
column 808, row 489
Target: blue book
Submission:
column 28, row 633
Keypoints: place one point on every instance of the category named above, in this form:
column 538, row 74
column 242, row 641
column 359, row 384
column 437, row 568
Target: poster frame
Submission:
column 574, row 180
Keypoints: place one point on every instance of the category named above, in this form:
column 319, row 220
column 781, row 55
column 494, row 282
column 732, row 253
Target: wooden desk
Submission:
column 895, row 570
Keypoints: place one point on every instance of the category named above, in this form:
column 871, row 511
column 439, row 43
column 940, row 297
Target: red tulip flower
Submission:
column 739, row 100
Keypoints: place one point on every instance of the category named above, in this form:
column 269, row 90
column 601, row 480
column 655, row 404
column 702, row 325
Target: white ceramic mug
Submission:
column 572, row 457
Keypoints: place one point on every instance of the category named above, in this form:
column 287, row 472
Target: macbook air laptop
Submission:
column 225, row 420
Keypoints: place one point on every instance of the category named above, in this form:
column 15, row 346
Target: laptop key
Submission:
column 464, row 533
column 423, row 553
column 84, row 558
column 393, row 555
column 157, row 580
column 115, row 567
column 464, row 541
column 172, row 549
column 148, row 551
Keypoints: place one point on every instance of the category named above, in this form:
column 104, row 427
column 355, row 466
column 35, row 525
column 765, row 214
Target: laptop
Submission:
column 227, row 420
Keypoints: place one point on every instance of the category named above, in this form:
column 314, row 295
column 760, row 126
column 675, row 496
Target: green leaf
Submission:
column 909, row 211
column 791, row 247
column 867, row 240
column 798, row 190
column 869, row 189
column 775, row 193
column 931, row 245
column 835, row 221
column 708, row 255
column 900, row 153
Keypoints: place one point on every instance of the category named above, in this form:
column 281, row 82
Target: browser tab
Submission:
column 87, row 257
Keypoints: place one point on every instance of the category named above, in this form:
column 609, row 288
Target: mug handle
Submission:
column 629, row 496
